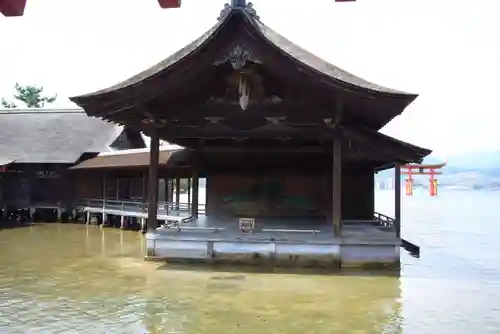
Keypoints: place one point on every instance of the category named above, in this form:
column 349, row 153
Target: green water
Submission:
column 72, row 278
column 59, row 278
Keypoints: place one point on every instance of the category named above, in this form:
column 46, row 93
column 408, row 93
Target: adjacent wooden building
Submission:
column 38, row 145
column 122, row 176
column 279, row 134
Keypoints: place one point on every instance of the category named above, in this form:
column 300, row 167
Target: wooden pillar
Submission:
column 104, row 195
column 177, row 192
column 117, row 189
column 189, row 192
column 337, row 187
column 32, row 213
column 170, row 193
column 194, row 207
column 2, row 191
column 131, row 186
column 144, row 187
column 397, row 200
column 104, row 188
column 166, row 191
column 154, row 157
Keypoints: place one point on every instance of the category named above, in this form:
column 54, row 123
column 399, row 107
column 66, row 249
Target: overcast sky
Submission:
column 448, row 51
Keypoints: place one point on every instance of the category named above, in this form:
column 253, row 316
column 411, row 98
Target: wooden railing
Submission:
column 379, row 219
column 385, row 221
column 136, row 206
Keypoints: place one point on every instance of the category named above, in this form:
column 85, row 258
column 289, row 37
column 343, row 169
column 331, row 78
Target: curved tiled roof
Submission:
column 286, row 46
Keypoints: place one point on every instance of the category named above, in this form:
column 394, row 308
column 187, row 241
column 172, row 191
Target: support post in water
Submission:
column 195, row 202
column 433, row 185
column 177, row 192
column 409, row 184
column 32, row 213
column 104, row 195
column 337, row 186
column 189, row 192
column 397, row 200
column 154, row 157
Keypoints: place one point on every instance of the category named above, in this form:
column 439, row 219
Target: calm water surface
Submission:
column 78, row 279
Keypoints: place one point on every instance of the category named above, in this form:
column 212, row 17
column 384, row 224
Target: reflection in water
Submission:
column 92, row 280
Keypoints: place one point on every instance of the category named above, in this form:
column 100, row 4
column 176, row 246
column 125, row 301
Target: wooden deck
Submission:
column 280, row 241
column 279, row 230
column 288, row 242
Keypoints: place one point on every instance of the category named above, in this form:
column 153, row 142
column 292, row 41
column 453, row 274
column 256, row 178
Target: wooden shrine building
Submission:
column 279, row 134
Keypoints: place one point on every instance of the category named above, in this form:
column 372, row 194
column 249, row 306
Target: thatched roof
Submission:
column 52, row 135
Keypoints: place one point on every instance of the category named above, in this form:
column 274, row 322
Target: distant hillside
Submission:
column 431, row 160
column 472, row 170
column 484, row 161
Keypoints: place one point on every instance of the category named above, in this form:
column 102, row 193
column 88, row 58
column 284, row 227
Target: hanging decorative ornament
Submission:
column 244, row 91
column 12, row 7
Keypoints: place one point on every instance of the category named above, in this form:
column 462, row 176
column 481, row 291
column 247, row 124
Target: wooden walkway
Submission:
column 168, row 212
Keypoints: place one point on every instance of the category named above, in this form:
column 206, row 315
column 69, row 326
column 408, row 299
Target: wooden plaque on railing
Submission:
column 247, row 225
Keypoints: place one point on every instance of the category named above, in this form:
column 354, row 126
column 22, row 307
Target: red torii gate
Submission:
column 419, row 169
column 16, row 7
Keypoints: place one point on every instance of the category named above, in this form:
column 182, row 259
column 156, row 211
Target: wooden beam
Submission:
column 185, row 132
column 270, row 150
column 292, row 109
column 421, row 173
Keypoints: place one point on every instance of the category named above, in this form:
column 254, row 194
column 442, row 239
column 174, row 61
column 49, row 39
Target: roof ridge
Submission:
column 238, row 6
